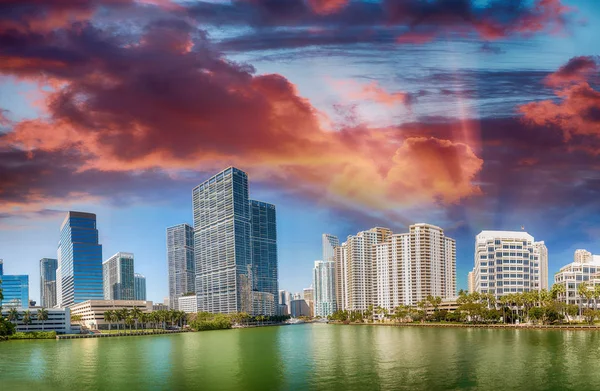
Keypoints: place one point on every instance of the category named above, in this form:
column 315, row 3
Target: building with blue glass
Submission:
column 263, row 241
column 118, row 275
column 48, row 268
column 15, row 290
column 79, row 273
column 140, row 286
column 180, row 262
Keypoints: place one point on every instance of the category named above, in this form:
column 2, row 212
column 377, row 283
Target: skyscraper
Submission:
column 509, row 262
column 180, row 260
column 222, row 243
column 329, row 243
column 1, row 267
column 324, row 288
column 15, row 290
column 140, row 286
column 79, row 273
column 48, row 268
column 119, row 283
column 263, row 240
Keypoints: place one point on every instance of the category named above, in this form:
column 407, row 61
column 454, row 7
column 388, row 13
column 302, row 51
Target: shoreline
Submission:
column 479, row 326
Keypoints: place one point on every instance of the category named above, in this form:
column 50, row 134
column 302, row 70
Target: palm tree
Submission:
column 504, row 300
column 129, row 321
column 13, row 315
column 596, row 296
column 27, row 319
column 108, row 318
column 42, row 316
column 582, row 291
column 136, row 313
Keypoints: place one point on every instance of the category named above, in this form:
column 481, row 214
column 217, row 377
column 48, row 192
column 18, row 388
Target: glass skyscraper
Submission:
column 222, row 243
column 119, row 281
column 79, row 273
column 15, row 290
column 48, row 268
column 140, row 286
column 180, row 262
column 263, row 239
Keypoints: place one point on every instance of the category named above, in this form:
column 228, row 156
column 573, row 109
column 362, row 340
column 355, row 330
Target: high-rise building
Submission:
column 329, row 243
column 180, row 260
column 411, row 266
column 324, row 288
column 509, row 262
column 79, row 273
column 308, row 295
column 471, row 282
column 263, row 240
column 15, row 290
column 584, row 268
column 119, row 281
column 48, row 268
column 140, row 286
column 1, row 267
column 229, row 230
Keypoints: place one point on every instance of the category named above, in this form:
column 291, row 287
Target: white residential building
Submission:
column 471, row 282
column 188, row 304
column 59, row 320
column 584, row 268
column 324, row 288
column 509, row 262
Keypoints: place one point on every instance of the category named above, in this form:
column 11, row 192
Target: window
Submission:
column 498, row 269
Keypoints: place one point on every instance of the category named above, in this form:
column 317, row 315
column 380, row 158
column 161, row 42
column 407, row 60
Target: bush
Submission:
column 6, row 328
column 34, row 335
column 216, row 322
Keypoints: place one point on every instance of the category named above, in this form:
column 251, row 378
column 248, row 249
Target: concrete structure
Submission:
column 299, row 308
column 188, row 304
column 118, row 274
column 223, row 250
column 180, row 261
column 411, row 266
column 59, row 320
column 263, row 303
column 308, row 295
column 48, row 268
column 79, row 273
column 139, row 281
column 471, row 282
column 584, row 268
column 92, row 311
column 509, row 262
column 263, row 240
column 324, row 288
column 15, row 290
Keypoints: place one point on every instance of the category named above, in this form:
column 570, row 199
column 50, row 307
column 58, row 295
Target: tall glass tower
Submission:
column 15, row 290
column 263, row 239
column 48, row 268
column 222, row 243
column 79, row 273
column 118, row 277
column 140, row 286
column 180, row 262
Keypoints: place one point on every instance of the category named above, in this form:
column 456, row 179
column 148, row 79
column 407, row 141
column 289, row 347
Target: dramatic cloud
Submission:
column 577, row 69
column 327, row 6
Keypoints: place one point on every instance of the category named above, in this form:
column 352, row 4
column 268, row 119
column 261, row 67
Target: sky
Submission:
column 346, row 114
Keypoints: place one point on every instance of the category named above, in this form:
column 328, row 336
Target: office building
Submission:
column 180, row 261
column 92, row 311
column 188, row 304
column 59, row 320
column 324, row 288
column 328, row 244
column 140, row 286
column 15, row 290
column 79, row 273
column 119, row 282
column 48, row 268
column 263, row 240
column 308, row 295
column 509, row 262
column 299, row 308
column 226, row 278
column 411, row 266
column 584, row 268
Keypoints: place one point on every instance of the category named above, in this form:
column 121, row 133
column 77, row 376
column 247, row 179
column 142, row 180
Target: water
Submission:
column 310, row 357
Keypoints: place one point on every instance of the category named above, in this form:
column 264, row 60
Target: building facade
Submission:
column 263, row 303
column 48, row 268
column 471, row 282
column 324, row 288
column 509, row 262
column 119, row 281
column 59, row 320
column 79, row 273
column 188, row 304
column 180, row 261
column 299, row 308
column 263, row 240
column 140, row 286
column 15, row 289
column 92, row 311
column 308, row 295
column 584, row 268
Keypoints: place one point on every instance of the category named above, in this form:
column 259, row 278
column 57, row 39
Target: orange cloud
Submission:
column 327, row 6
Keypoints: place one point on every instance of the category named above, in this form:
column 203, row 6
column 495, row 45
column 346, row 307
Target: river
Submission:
column 310, row 357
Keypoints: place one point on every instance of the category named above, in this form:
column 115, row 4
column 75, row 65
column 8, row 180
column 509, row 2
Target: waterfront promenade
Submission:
column 479, row 326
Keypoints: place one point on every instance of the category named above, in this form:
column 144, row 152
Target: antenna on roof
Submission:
column 522, row 228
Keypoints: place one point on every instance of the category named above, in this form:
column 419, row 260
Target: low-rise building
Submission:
column 159, row 307
column 584, row 268
column 59, row 320
column 92, row 311
column 188, row 304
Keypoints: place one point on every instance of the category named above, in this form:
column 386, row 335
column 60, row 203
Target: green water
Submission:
column 311, row 357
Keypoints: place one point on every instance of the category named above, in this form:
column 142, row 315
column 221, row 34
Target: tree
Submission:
column 27, row 319
column 136, row 313
column 129, row 321
column 108, row 318
column 582, row 291
column 42, row 316
column 13, row 315
column 596, row 296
